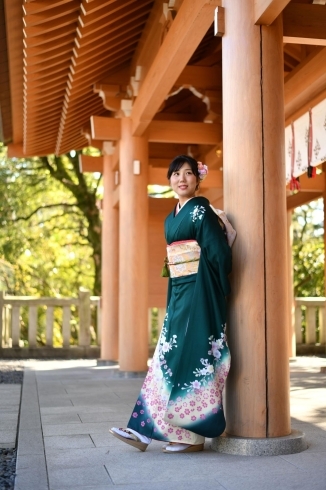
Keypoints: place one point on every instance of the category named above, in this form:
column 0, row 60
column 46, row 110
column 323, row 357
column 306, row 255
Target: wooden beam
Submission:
column 213, row 158
column 304, row 24
column 301, row 198
column 305, row 82
column 305, row 107
column 14, row 29
column 294, row 51
column 110, row 94
column 157, row 176
column 87, row 163
column 160, row 162
column 188, row 29
column 115, row 157
column 266, row 11
column 184, row 132
column 15, row 150
column 105, row 128
column 108, row 129
column 206, row 77
column 150, row 41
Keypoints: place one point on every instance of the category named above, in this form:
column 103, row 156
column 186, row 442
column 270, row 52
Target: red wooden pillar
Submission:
column 254, row 198
column 133, row 250
column 110, row 268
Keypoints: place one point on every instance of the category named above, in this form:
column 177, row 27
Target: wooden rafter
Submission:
column 305, row 82
column 312, row 102
column 70, row 45
column 266, row 11
column 304, row 24
column 89, row 62
column 14, row 25
column 56, row 12
column 301, row 198
column 186, row 32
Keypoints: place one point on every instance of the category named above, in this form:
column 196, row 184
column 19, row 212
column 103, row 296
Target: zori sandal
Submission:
column 183, row 448
column 128, row 437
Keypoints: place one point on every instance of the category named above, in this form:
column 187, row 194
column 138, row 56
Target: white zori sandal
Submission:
column 132, row 437
column 182, row 448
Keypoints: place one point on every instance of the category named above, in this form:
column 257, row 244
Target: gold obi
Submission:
column 183, row 258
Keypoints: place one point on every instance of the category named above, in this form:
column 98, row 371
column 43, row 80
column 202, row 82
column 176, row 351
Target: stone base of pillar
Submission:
column 103, row 362
column 272, row 446
column 115, row 372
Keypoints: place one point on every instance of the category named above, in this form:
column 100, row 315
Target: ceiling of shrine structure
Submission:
column 73, row 59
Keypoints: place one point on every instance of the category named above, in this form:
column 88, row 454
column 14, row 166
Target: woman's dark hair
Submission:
column 177, row 163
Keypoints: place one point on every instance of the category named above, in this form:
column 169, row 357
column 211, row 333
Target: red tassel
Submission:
column 294, row 184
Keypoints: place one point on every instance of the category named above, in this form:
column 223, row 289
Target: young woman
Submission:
column 181, row 399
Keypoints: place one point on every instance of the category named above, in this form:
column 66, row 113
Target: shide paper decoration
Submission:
column 305, row 144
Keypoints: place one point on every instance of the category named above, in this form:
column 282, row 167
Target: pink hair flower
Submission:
column 203, row 170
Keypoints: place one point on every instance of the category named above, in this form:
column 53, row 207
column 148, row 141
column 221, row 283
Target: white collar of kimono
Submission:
column 179, row 205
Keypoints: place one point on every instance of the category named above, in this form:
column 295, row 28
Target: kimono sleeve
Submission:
column 215, row 248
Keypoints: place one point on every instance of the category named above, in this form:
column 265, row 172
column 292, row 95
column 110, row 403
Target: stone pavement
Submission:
column 9, row 410
column 63, row 444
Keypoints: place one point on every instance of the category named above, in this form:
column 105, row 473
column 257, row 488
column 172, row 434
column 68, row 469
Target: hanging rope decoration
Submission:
column 294, row 182
column 311, row 171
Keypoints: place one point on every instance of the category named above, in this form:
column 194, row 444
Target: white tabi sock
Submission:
column 176, row 447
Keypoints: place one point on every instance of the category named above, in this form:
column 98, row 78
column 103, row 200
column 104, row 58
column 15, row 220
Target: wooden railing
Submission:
column 310, row 325
column 88, row 309
column 309, row 318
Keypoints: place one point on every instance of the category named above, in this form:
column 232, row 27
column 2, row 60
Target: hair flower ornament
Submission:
column 203, row 171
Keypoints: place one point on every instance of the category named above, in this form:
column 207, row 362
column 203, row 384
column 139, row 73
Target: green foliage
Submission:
column 308, row 250
column 50, row 233
column 50, row 229
column 6, row 276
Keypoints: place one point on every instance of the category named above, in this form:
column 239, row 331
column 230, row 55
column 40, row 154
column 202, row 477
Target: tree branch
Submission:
column 97, row 184
column 47, row 206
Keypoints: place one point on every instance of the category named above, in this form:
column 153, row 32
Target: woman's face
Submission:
column 184, row 183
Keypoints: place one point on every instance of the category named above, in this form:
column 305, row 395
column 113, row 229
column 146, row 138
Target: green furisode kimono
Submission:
column 181, row 397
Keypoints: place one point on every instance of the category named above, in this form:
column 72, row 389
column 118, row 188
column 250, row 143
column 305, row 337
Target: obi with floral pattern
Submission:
column 183, row 258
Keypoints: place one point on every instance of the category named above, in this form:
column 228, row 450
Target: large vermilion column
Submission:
column 133, row 250
column 254, row 199
column 110, row 268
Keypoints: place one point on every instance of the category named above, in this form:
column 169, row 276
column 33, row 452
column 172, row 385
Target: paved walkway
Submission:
column 64, row 444
column 9, row 409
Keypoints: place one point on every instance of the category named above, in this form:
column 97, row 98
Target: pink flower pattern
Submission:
column 200, row 401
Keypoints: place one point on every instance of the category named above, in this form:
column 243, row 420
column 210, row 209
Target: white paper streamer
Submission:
column 301, row 128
